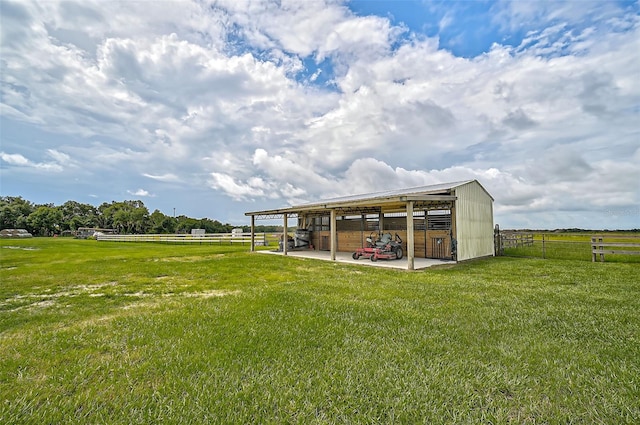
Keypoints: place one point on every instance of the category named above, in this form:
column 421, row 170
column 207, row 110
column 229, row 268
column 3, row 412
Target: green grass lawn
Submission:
column 122, row 333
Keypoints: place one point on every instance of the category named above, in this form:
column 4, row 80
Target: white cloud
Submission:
column 58, row 156
column 359, row 37
column 515, row 15
column 297, row 27
column 168, row 177
column 237, row 190
column 15, row 159
column 140, row 192
column 20, row 161
column 210, row 95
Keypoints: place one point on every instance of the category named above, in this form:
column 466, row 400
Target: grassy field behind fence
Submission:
column 571, row 246
column 146, row 333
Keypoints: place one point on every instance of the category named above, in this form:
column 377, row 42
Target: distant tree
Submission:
column 129, row 216
column 225, row 228
column 104, row 215
column 75, row 215
column 185, row 224
column 123, row 220
column 123, row 216
column 14, row 212
column 213, row 226
column 206, row 224
column 140, row 216
column 45, row 221
column 160, row 223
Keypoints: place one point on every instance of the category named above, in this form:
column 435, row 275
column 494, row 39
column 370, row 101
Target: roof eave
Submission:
column 361, row 203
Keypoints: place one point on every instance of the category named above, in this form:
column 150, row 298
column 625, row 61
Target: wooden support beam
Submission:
column 285, row 235
column 334, row 235
column 410, row 237
column 253, row 233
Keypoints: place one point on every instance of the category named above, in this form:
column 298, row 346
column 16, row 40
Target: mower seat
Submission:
column 385, row 239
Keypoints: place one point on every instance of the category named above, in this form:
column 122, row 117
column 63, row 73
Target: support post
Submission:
column 410, row 237
column 497, row 241
column 253, row 233
column 334, row 235
column 285, row 235
column 381, row 223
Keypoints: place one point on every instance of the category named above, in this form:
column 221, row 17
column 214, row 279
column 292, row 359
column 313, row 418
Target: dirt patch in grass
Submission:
column 189, row 259
column 40, row 304
column 48, row 299
column 210, row 294
column 141, row 304
column 150, row 303
column 206, row 294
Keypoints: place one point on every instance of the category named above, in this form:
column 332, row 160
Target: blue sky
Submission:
column 216, row 108
column 463, row 28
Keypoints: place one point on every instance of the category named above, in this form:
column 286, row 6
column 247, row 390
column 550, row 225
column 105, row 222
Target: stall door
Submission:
column 440, row 247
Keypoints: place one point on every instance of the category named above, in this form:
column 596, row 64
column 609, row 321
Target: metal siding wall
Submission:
column 474, row 222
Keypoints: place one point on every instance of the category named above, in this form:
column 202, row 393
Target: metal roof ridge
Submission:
column 389, row 192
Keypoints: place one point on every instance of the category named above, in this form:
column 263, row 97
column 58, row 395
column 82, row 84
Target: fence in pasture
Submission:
column 569, row 246
column 604, row 244
column 261, row 239
column 516, row 239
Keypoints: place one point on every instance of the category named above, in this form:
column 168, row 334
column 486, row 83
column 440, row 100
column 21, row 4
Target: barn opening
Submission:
column 451, row 221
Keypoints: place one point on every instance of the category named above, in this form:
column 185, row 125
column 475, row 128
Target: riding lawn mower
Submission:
column 382, row 247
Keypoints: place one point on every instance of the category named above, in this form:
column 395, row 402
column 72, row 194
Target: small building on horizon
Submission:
column 89, row 232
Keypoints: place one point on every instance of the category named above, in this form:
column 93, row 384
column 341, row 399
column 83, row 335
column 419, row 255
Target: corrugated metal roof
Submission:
column 419, row 190
column 385, row 197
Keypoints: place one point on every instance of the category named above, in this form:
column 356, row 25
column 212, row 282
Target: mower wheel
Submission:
column 399, row 253
column 355, row 256
column 374, row 258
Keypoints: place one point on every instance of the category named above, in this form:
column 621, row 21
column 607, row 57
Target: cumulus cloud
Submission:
column 238, row 190
column 285, row 102
column 140, row 192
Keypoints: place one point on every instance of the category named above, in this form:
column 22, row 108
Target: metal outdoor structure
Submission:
column 470, row 207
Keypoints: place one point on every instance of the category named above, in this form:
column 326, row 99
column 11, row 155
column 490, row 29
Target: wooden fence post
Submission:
column 597, row 248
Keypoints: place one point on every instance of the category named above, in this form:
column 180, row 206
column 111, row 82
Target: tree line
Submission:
column 125, row 217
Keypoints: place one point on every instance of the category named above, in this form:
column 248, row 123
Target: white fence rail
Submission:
column 600, row 245
column 210, row 238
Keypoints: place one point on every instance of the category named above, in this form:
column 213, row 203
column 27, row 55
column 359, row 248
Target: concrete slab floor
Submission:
column 345, row 257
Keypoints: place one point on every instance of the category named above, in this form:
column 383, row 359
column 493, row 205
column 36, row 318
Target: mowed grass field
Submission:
column 576, row 246
column 94, row 332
